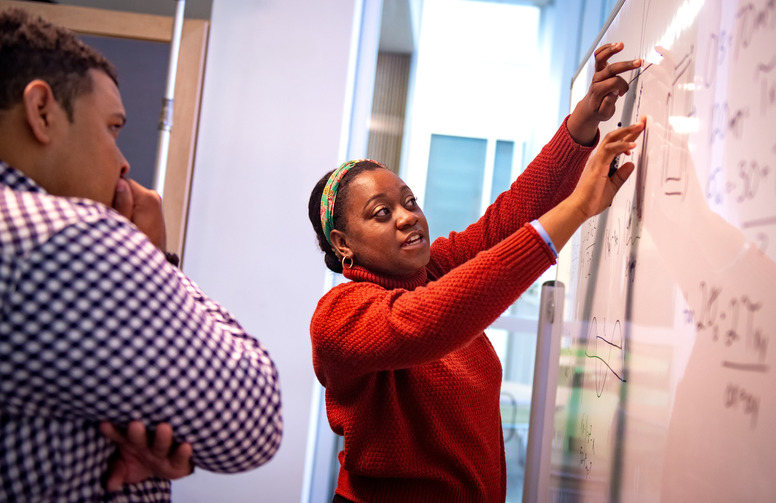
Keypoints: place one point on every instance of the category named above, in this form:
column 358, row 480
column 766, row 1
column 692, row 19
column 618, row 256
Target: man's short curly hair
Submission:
column 33, row 48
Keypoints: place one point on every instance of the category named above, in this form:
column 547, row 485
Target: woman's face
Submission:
column 386, row 230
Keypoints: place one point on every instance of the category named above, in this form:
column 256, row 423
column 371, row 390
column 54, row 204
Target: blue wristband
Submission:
column 545, row 236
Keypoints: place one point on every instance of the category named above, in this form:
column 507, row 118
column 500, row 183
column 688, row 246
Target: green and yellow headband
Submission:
column 330, row 195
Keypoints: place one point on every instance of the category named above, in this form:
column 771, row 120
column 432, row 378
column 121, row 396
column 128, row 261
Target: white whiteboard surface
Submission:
column 667, row 379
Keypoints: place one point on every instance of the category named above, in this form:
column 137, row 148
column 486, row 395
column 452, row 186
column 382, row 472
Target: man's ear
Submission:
column 340, row 243
column 40, row 109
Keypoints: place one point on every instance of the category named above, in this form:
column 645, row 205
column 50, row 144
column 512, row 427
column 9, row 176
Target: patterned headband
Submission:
column 330, row 195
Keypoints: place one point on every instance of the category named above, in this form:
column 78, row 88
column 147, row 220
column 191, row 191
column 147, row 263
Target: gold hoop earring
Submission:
column 343, row 262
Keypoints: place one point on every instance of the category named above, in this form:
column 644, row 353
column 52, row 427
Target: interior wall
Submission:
column 273, row 109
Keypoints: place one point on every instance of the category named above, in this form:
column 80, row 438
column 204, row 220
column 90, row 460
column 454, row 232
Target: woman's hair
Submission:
column 338, row 218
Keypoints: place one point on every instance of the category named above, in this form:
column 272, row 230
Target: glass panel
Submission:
column 515, row 410
column 502, row 168
column 454, row 183
column 499, row 339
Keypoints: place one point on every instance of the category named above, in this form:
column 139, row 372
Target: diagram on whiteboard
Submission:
column 608, row 351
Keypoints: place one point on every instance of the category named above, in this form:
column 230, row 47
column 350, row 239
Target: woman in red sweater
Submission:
column 412, row 382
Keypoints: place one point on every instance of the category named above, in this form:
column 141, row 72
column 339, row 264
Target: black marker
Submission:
column 616, row 161
column 613, row 166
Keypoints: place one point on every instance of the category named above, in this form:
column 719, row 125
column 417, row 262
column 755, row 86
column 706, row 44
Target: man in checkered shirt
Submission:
column 95, row 325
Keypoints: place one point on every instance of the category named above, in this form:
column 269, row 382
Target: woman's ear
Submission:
column 340, row 243
column 40, row 107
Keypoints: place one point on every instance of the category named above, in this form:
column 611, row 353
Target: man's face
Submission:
column 87, row 159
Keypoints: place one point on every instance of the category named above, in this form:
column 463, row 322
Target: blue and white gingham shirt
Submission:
column 96, row 325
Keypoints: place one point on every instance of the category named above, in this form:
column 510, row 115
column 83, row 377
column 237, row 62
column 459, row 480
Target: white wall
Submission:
column 275, row 93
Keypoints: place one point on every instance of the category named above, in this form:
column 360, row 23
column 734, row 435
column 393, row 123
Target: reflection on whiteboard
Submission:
column 667, row 369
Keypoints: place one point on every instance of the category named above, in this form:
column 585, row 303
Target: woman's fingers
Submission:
column 622, row 174
column 627, row 133
column 603, row 53
column 617, row 142
column 605, row 71
column 615, row 69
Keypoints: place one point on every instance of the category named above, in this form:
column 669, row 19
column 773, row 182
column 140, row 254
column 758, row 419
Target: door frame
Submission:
column 188, row 89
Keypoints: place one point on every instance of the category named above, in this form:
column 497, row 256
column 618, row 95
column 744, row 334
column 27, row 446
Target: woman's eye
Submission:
column 411, row 202
column 381, row 211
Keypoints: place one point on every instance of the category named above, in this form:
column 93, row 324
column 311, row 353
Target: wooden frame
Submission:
column 188, row 89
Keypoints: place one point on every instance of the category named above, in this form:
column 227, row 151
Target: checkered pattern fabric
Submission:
column 96, row 325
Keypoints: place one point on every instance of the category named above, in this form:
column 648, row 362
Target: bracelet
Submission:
column 172, row 258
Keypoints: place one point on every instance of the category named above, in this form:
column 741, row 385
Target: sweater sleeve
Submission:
column 361, row 327
column 546, row 181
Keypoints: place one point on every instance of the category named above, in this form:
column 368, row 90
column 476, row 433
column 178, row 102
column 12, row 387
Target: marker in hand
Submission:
column 616, row 161
column 613, row 166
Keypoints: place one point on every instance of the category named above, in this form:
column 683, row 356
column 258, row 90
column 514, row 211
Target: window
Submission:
column 454, row 183
column 464, row 176
column 477, row 86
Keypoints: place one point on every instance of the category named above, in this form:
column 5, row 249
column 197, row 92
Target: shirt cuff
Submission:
column 545, row 236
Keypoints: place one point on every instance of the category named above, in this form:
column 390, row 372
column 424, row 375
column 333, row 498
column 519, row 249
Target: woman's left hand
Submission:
column 140, row 458
column 599, row 103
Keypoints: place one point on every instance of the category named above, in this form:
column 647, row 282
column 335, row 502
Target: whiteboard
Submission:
column 666, row 386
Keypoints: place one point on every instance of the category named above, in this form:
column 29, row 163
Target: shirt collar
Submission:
column 17, row 180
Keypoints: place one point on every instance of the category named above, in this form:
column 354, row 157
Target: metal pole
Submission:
column 165, row 120
column 542, row 414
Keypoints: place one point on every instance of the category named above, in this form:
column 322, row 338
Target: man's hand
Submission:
column 143, row 207
column 140, row 457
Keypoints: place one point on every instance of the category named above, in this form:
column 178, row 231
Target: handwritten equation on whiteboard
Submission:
column 742, row 184
column 671, row 293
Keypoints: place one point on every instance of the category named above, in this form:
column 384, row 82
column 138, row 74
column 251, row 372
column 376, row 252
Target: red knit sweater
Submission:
column 412, row 382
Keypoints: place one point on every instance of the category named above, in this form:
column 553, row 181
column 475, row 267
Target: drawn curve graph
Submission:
column 608, row 351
